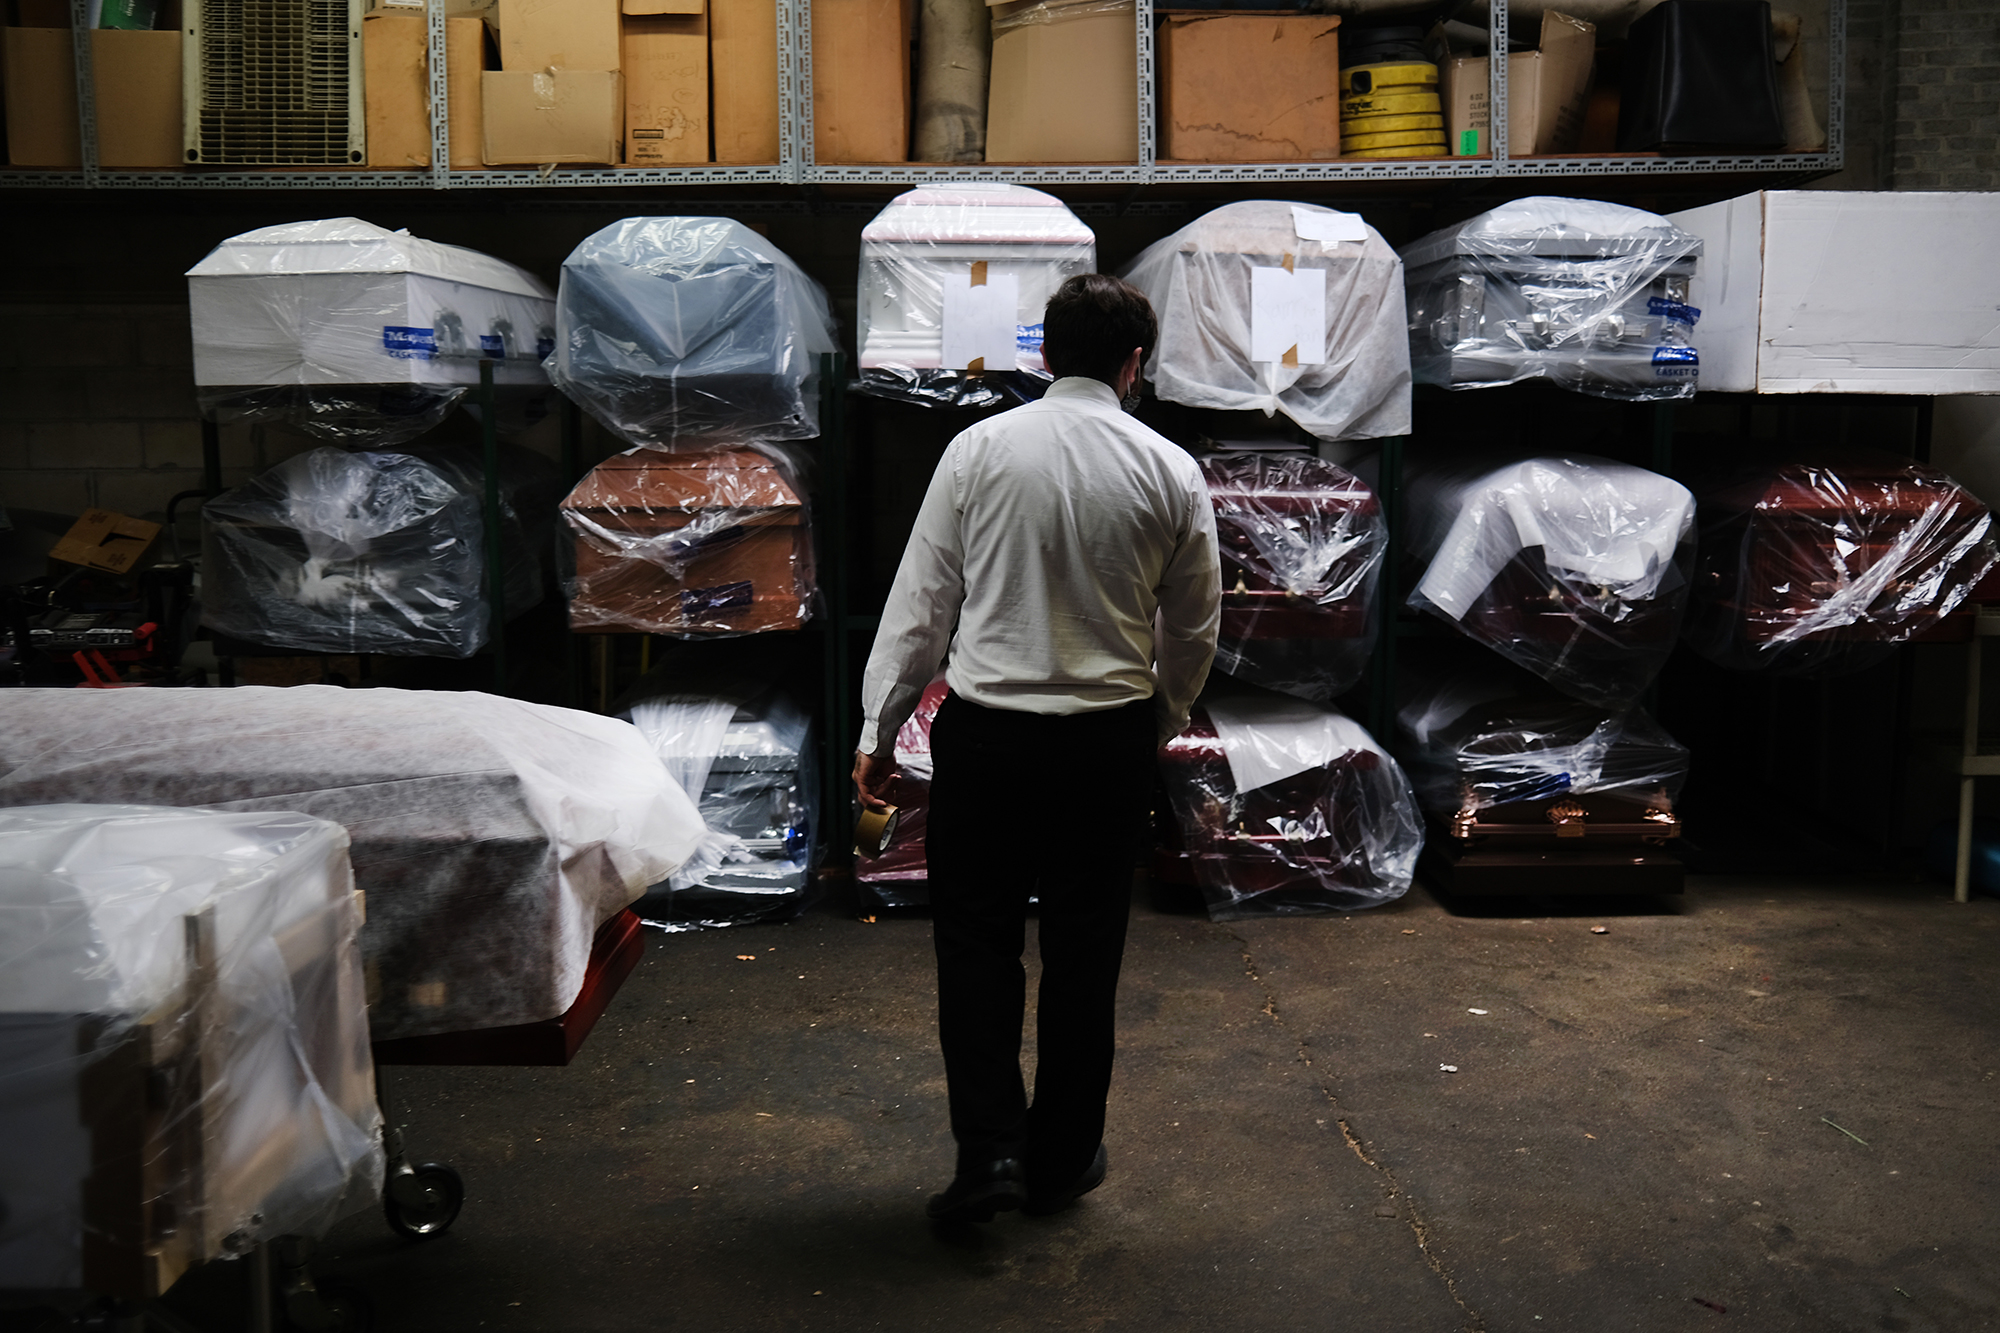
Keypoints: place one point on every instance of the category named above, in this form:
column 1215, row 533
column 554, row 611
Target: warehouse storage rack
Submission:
column 796, row 166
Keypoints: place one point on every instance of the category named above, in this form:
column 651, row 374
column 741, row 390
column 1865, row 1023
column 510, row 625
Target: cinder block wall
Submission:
column 1947, row 107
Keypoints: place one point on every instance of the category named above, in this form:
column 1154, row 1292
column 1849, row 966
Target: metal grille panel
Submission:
column 274, row 83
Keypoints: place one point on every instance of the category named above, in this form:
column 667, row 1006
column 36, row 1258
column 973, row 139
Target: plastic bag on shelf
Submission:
column 1820, row 568
column 744, row 754
column 493, row 837
column 1575, row 568
column 1302, row 543
column 372, row 552
column 1475, row 740
column 1281, row 307
column 898, row 875
column 183, row 997
column 690, row 326
column 691, row 543
column 957, row 274
column 358, row 335
column 1286, row 807
column 1591, row 296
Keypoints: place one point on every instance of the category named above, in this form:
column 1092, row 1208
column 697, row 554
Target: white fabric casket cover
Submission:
column 492, row 836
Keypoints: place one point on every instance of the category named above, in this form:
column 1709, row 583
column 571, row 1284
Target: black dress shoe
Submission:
column 1041, row 1205
column 975, row 1195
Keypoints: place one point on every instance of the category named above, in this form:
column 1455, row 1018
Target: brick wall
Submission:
column 1947, row 107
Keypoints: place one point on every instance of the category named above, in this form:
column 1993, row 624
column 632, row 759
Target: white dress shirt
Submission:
column 1066, row 557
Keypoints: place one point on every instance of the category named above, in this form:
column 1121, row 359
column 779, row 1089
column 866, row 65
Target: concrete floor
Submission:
column 1634, row 1135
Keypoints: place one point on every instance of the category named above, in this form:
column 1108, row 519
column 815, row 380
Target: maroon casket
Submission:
column 1340, row 831
column 1302, row 543
column 1824, row 567
column 897, row 876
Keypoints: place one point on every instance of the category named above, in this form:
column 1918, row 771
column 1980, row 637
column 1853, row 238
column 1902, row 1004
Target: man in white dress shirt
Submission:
column 1065, row 557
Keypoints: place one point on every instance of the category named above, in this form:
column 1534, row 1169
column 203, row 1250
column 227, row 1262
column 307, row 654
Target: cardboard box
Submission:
column 1547, row 90
column 395, row 62
column 138, row 77
column 664, row 7
column 465, row 59
column 1838, row 291
column 105, row 540
column 666, row 89
column 1249, row 87
column 539, row 35
column 743, row 79
column 1065, row 83
column 861, row 80
column 560, row 115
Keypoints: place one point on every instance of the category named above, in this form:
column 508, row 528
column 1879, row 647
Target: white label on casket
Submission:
column 979, row 322
column 1287, row 310
column 1312, row 226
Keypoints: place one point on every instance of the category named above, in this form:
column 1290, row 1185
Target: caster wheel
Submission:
column 423, row 1202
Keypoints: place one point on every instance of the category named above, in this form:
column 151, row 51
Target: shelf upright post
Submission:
column 1496, row 87
column 1148, row 96
column 440, row 100
column 830, row 519
column 496, row 560
column 1389, row 495
column 86, row 88
column 795, row 88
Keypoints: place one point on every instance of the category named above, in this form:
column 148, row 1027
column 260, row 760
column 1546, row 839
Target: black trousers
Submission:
column 1028, row 804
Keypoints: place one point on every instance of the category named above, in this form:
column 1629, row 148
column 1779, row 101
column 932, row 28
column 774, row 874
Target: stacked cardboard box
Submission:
column 138, row 78
column 665, row 53
column 1249, row 87
column 1547, row 90
column 559, row 94
column 395, row 55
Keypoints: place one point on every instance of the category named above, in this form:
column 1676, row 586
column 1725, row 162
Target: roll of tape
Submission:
column 875, row 830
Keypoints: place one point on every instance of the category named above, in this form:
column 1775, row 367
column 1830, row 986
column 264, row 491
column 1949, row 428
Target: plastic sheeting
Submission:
column 493, row 837
column 1471, row 742
column 691, row 543
column 689, row 326
column 1588, row 295
column 1820, row 568
column 1280, row 307
column 899, row 875
column 181, row 993
column 953, row 274
column 1575, row 568
column 1286, row 807
column 746, row 758
column 374, row 552
column 1302, row 543
column 358, row 335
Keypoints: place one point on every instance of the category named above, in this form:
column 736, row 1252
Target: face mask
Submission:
column 1130, row 402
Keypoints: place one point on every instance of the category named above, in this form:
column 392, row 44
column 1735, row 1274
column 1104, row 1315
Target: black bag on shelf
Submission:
column 1702, row 76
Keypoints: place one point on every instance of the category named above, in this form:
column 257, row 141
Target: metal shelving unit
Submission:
column 796, row 168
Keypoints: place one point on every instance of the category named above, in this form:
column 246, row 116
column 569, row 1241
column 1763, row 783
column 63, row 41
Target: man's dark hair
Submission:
column 1092, row 324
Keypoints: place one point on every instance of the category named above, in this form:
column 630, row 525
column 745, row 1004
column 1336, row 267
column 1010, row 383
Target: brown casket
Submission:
column 710, row 541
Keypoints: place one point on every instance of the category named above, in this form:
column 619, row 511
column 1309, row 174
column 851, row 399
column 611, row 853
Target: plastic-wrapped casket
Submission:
column 1286, row 807
column 1532, row 792
column 372, row 552
column 957, row 274
column 745, row 756
column 683, row 326
column 1280, row 307
column 1825, row 567
column 492, row 837
column 1302, row 543
column 695, row 542
column 1575, row 568
column 184, row 1066
column 359, row 335
column 899, row 875
column 1590, row 296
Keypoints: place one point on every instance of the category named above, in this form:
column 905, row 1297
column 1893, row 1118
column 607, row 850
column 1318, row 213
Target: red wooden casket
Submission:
column 1816, row 567
column 1302, row 543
